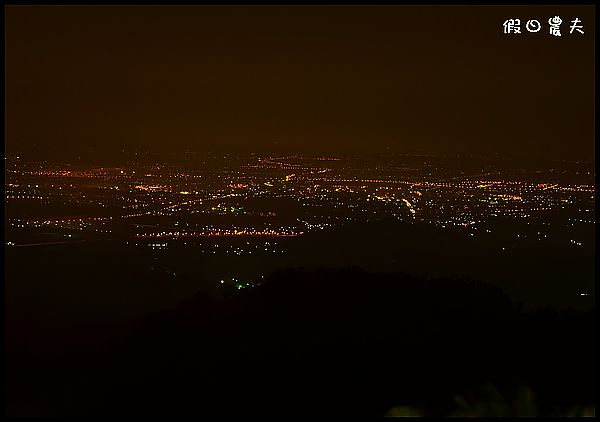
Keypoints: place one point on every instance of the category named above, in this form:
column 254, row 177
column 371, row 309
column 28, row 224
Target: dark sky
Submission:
column 298, row 78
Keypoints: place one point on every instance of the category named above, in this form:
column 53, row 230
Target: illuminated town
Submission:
column 258, row 198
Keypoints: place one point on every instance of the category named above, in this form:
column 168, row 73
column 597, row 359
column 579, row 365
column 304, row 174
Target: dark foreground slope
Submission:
column 342, row 342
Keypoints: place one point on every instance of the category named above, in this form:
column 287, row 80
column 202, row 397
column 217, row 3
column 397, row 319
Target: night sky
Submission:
column 352, row 79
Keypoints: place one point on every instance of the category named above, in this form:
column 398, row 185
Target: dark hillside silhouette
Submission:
column 345, row 342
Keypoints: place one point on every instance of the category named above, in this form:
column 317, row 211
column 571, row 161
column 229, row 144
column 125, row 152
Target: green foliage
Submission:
column 489, row 401
column 403, row 411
